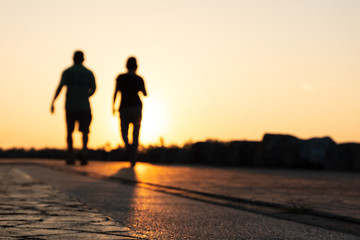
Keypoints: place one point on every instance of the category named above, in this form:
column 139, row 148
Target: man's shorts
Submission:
column 82, row 117
column 131, row 115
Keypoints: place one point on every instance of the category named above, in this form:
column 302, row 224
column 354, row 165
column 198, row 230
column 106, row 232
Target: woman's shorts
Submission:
column 131, row 115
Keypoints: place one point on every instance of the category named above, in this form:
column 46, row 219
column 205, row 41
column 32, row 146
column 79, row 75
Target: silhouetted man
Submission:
column 80, row 83
column 129, row 85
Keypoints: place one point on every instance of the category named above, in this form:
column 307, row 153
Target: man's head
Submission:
column 78, row 57
column 131, row 64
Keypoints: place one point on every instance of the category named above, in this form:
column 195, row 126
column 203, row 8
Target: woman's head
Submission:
column 131, row 64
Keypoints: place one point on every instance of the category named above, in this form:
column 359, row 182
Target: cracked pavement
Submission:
column 30, row 209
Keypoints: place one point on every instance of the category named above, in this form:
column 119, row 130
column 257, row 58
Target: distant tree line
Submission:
column 274, row 151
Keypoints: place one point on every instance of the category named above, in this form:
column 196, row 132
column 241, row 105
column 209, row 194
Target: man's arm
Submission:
column 58, row 90
column 93, row 85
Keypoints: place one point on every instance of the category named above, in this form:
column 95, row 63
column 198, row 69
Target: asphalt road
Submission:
column 161, row 214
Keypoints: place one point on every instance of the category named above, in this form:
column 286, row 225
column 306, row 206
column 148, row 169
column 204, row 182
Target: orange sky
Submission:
column 213, row 69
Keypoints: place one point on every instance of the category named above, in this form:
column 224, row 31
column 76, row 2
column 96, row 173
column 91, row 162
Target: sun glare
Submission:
column 153, row 122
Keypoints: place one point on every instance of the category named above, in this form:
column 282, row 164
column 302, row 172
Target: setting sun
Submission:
column 154, row 122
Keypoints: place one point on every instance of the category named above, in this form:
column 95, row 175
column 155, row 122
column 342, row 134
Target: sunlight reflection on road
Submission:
column 109, row 169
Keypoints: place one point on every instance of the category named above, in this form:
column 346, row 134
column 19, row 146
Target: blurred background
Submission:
column 224, row 70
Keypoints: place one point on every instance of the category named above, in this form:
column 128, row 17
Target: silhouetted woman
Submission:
column 129, row 85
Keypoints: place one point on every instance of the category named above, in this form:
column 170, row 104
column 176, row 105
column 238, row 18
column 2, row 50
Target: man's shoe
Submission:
column 70, row 162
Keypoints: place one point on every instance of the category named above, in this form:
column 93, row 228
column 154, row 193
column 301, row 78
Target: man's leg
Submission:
column 70, row 142
column 84, row 126
column 70, row 159
column 70, row 124
column 85, row 139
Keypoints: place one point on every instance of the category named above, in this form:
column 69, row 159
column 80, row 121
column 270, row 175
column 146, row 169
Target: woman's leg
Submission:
column 124, row 133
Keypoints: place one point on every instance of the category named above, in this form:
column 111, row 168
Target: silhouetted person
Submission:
column 129, row 85
column 80, row 83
